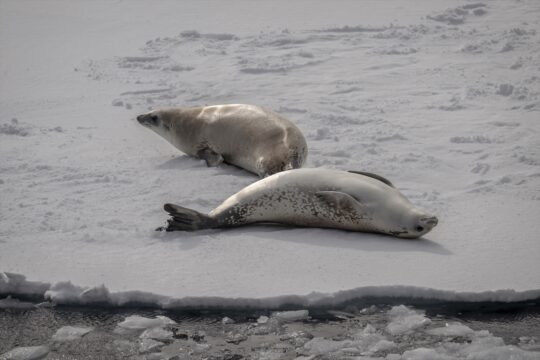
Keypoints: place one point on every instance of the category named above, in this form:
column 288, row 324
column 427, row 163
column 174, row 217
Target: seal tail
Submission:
column 185, row 219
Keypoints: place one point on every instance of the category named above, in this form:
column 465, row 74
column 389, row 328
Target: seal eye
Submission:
column 154, row 119
column 419, row 228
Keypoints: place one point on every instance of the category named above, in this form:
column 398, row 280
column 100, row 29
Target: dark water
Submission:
column 203, row 335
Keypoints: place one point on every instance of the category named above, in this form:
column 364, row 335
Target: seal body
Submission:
column 353, row 201
column 247, row 136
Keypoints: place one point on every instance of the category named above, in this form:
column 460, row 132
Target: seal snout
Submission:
column 142, row 119
column 148, row 119
column 429, row 222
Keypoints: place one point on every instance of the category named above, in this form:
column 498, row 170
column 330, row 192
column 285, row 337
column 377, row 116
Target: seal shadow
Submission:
column 190, row 162
column 357, row 241
column 180, row 162
column 186, row 240
column 352, row 240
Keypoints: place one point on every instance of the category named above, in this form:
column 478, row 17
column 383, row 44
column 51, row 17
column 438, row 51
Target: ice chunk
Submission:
column 157, row 333
column 371, row 340
column 227, row 320
column 289, row 316
column 382, row 345
column 235, row 338
column 425, row 354
column 404, row 320
column 504, row 353
column 68, row 333
column 297, row 338
column 136, row 323
column 149, row 345
column 320, row 346
column 451, row 329
column 271, row 326
column 26, row 353
column 125, row 346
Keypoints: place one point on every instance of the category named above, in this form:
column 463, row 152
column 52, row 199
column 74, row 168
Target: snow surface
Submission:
column 442, row 98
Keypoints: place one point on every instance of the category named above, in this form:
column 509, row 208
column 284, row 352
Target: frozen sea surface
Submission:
column 442, row 97
column 391, row 332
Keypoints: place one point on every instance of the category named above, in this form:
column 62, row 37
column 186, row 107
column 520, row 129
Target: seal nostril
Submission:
column 419, row 228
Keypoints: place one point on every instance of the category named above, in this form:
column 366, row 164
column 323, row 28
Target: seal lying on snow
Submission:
column 247, row 136
column 352, row 200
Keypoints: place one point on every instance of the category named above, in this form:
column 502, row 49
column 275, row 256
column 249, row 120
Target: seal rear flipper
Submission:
column 187, row 219
column 211, row 157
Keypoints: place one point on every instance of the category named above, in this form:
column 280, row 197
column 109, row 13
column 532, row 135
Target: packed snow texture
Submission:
column 369, row 334
column 442, row 98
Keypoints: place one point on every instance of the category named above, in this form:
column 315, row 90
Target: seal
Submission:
column 247, row 136
column 353, row 200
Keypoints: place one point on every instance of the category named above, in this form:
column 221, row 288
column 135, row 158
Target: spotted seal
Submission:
column 354, row 201
column 247, row 136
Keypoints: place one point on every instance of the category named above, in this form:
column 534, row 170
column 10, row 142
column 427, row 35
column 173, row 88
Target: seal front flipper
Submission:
column 211, row 157
column 374, row 176
column 187, row 219
column 340, row 200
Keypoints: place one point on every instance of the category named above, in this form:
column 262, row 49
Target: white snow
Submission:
column 442, row 98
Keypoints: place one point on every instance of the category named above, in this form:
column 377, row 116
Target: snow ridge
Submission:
column 67, row 293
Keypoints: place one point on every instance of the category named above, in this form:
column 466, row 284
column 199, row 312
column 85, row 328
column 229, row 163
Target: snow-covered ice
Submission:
column 442, row 98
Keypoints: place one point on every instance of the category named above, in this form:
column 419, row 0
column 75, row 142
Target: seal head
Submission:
column 156, row 122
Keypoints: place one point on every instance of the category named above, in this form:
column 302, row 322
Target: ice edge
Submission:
column 65, row 293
